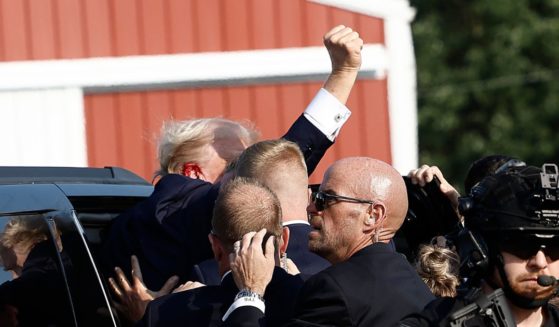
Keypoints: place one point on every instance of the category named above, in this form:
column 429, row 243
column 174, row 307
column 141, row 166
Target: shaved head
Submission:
column 369, row 178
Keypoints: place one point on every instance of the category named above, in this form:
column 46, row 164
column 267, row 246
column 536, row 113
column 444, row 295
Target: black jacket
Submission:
column 375, row 287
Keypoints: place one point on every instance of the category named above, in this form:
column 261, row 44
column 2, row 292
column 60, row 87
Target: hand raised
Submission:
column 344, row 46
column 133, row 298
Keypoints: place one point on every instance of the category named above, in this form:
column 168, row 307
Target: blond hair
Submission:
column 24, row 231
column 261, row 159
column 187, row 141
column 439, row 267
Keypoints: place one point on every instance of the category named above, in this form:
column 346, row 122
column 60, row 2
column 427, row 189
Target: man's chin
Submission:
column 534, row 292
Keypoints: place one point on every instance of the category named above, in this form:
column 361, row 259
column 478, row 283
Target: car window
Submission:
column 48, row 278
column 33, row 289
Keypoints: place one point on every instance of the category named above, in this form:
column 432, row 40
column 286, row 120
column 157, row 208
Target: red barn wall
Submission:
column 121, row 127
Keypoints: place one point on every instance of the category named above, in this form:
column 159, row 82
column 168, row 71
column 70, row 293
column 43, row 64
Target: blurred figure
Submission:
column 33, row 257
column 17, row 240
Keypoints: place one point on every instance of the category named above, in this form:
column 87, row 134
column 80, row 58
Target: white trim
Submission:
column 402, row 95
column 401, row 72
column 114, row 74
column 385, row 9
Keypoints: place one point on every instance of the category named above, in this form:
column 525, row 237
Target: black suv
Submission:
column 52, row 224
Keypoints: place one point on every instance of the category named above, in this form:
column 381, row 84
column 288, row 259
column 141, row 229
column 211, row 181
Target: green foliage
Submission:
column 488, row 81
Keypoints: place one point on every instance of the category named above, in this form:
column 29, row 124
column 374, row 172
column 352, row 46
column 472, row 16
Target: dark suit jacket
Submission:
column 168, row 231
column 375, row 287
column 308, row 263
column 206, row 305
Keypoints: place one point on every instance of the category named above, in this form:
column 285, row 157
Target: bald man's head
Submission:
column 361, row 201
column 374, row 179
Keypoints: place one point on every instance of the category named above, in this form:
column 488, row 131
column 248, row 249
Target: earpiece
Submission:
column 371, row 220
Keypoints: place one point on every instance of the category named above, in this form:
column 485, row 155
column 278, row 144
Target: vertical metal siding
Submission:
column 121, row 128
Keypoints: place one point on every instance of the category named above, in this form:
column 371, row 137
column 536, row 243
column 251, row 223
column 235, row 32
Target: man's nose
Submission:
column 539, row 260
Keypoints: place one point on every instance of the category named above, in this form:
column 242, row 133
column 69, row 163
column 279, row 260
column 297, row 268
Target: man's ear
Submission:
column 374, row 217
column 192, row 170
column 217, row 248
column 284, row 240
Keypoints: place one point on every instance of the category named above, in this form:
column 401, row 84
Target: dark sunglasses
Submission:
column 527, row 249
column 322, row 200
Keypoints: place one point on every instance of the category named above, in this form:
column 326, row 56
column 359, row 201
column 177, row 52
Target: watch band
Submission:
column 248, row 295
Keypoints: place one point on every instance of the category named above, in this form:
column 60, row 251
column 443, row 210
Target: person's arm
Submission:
column 316, row 130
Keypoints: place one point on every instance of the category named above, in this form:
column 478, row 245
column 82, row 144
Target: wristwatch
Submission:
column 248, row 295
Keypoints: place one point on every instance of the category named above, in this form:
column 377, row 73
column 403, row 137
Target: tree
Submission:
column 488, row 81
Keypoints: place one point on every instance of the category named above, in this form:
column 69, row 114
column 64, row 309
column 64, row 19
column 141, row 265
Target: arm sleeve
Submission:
column 315, row 130
column 327, row 114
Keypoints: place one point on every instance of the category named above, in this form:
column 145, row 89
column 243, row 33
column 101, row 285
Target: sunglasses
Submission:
column 323, row 200
column 527, row 249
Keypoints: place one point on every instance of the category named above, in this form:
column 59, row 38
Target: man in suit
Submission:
column 243, row 205
column 359, row 207
column 280, row 165
column 167, row 231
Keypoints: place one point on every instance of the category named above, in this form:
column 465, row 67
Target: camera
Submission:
column 430, row 213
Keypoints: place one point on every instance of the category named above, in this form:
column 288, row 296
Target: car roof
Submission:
column 65, row 175
column 55, row 188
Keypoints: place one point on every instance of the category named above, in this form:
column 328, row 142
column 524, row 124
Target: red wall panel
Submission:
column 14, row 19
column 50, row 29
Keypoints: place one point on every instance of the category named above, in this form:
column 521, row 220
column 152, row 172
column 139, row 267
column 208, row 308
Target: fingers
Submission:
column 270, row 249
column 333, row 31
column 247, row 239
column 424, row 175
column 136, row 271
column 168, row 286
column 114, row 287
column 122, row 280
column 258, row 238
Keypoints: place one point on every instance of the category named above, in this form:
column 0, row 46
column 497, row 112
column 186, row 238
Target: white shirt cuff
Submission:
column 327, row 114
column 243, row 302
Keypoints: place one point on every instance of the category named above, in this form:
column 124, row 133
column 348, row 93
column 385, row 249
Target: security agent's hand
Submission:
column 252, row 268
column 133, row 298
column 424, row 175
column 344, row 47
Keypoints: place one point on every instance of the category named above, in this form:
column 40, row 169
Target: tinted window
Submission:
column 33, row 289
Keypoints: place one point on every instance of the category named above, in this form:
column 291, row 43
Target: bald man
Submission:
column 360, row 205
